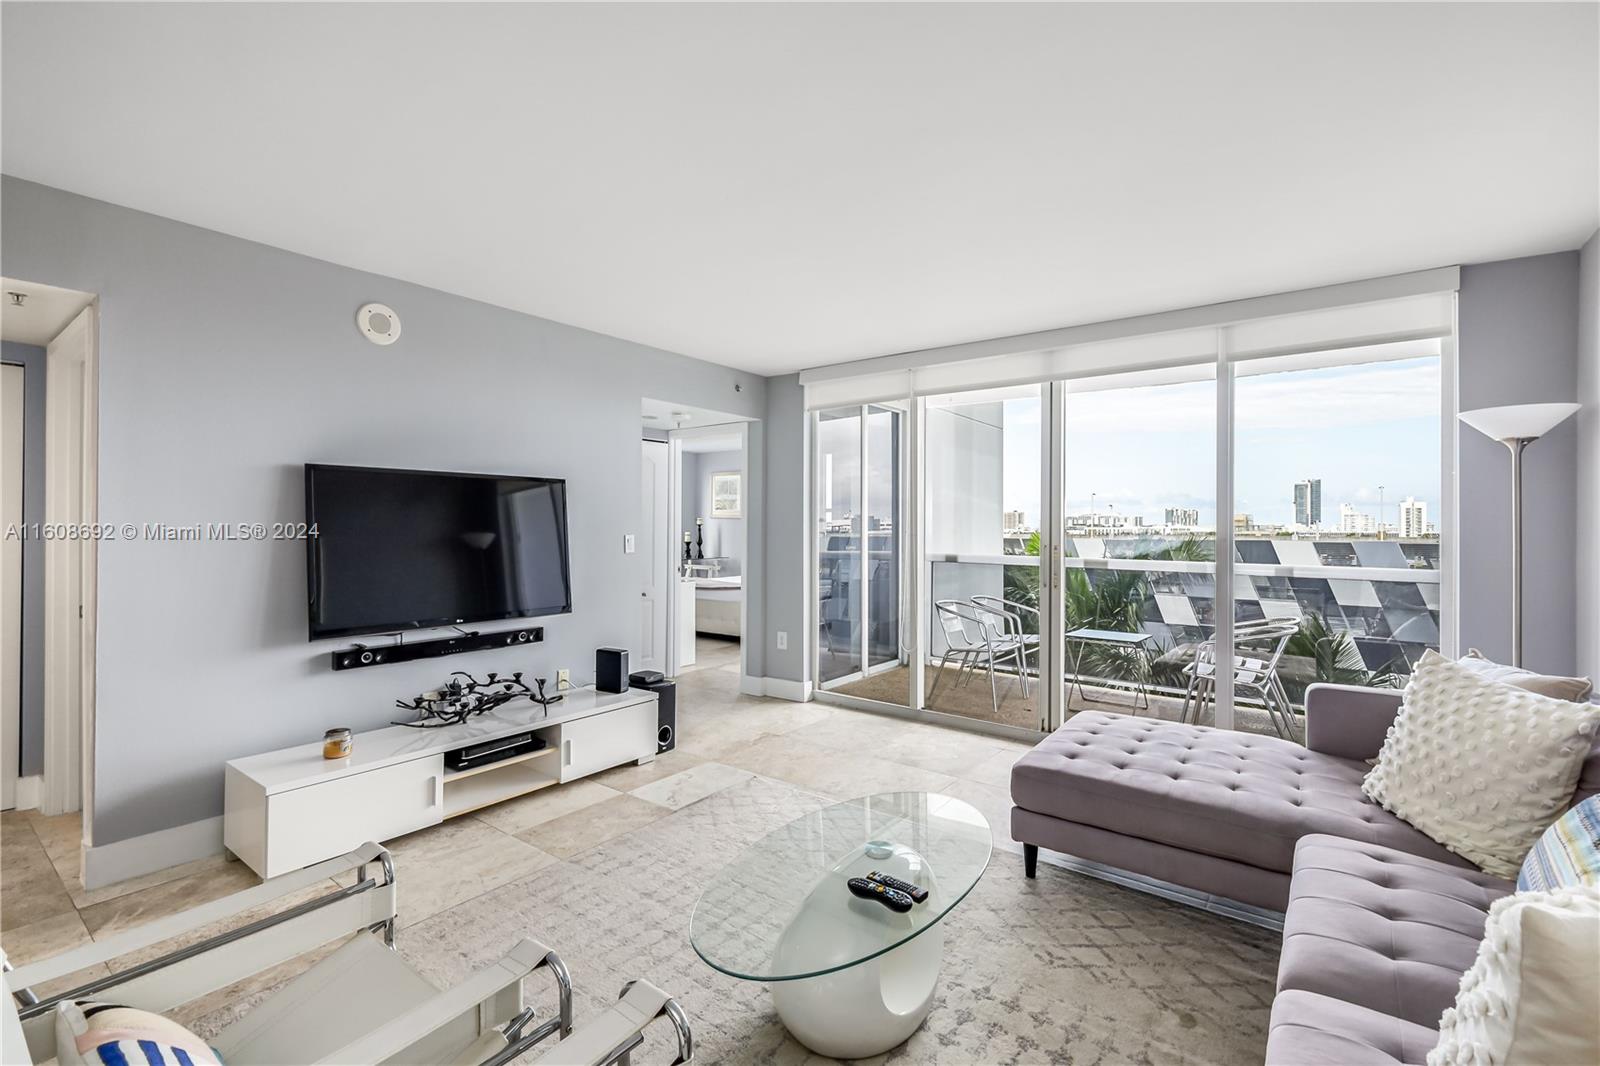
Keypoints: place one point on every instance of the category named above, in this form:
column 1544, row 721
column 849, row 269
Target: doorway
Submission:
column 695, row 488
column 862, row 646
column 48, row 454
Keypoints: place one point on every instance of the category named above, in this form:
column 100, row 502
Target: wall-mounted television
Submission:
column 408, row 549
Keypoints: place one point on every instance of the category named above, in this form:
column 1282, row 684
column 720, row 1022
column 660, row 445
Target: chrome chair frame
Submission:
column 1255, row 676
column 989, row 646
column 1013, row 613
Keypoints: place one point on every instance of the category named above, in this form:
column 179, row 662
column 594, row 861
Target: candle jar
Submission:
column 336, row 744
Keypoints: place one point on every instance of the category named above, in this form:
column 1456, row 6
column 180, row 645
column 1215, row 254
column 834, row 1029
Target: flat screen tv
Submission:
column 407, row 549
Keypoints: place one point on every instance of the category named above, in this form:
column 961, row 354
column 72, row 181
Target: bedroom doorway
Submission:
column 709, row 538
column 699, row 537
column 49, row 430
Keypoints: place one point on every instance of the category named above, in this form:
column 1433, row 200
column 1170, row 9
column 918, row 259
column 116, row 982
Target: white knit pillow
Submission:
column 1530, row 997
column 1480, row 766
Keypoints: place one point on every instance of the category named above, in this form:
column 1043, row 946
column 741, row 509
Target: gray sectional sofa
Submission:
column 1380, row 921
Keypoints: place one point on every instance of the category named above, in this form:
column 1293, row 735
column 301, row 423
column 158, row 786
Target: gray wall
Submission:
column 722, row 534
column 788, row 530
column 1588, row 519
column 32, row 360
column 224, row 366
column 1518, row 343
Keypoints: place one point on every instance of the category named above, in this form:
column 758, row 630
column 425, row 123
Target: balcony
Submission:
column 1366, row 610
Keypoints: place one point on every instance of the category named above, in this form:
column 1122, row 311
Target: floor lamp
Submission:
column 1517, row 426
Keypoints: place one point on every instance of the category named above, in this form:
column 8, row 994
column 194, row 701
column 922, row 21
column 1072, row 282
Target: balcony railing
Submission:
column 1358, row 624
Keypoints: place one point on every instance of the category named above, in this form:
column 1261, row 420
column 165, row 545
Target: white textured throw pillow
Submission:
column 1480, row 766
column 1530, row 998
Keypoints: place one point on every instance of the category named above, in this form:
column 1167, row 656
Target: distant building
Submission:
column 1104, row 522
column 1413, row 517
column 1308, row 502
column 1243, row 522
column 1352, row 520
column 1182, row 516
column 1013, row 521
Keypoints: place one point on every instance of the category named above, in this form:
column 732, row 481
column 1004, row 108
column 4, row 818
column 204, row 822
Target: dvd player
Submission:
column 492, row 751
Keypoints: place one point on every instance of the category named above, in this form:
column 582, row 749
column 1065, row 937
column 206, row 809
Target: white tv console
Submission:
column 287, row 809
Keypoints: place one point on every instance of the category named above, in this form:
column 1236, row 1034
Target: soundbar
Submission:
column 364, row 655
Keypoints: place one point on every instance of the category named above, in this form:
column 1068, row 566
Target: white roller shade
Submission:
column 1385, row 318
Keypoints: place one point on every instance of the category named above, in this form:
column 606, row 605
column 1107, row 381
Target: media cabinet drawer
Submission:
column 310, row 824
column 589, row 745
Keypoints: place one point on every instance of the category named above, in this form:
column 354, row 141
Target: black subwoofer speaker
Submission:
column 666, row 706
column 611, row 670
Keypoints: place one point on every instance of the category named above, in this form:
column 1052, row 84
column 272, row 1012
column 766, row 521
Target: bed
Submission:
column 716, row 605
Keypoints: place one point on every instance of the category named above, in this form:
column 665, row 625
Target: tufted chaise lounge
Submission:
column 1380, row 921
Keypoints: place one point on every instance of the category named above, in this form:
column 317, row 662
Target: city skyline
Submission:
column 1369, row 433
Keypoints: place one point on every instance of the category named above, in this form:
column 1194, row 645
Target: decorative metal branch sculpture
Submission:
column 464, row 696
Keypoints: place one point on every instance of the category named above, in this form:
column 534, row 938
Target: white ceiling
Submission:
column 778, row 186
column 659, row 414
column 44, row 313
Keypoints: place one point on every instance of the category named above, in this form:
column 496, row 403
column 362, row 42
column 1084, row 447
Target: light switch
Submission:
column 628, row 544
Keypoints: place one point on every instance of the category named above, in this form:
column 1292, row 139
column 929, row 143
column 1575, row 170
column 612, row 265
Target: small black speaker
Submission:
column 666, row 706
column 611, row 670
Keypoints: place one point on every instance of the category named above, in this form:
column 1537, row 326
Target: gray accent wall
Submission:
column 32, row 360
column 224, row 366
column 1518, row 343
column 787, row 529
column 1588, row 472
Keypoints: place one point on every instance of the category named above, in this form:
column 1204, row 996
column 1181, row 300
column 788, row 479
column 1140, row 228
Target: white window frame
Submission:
column 1389, row 310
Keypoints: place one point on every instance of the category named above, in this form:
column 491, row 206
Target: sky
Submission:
column 1364, row 430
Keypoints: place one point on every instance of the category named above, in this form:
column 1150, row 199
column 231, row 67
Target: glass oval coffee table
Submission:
column 850, row 977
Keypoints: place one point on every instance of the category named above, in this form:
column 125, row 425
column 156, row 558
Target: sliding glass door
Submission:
column 983, row 494
column 1201, row 538
column 860, row 460
column 1138, row 539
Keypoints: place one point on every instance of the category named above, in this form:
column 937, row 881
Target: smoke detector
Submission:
column 378, row 323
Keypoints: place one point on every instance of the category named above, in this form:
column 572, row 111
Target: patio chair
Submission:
column 1014, row 614
column 1255, row 676
column 361, row 1004
column 975, row 636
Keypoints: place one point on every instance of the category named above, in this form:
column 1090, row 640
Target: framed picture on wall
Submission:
column 727, row 495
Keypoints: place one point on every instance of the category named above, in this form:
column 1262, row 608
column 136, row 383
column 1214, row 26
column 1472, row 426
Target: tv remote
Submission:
column 892, row 898
column 916, row 892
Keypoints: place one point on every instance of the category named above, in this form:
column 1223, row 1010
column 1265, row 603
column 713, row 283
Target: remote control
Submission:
column 916, row 892
column 892, row 898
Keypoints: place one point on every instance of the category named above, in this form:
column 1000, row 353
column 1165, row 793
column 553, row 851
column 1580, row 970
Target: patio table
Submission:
column 1133, row 643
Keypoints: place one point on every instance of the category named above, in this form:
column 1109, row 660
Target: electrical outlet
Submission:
column 563, row 680
column 783, row 641
column 628, row 544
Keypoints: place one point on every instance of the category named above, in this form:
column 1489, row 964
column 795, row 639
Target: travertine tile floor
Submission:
column 606, row 871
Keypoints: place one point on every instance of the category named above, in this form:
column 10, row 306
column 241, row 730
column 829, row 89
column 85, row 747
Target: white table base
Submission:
column 868, row 1008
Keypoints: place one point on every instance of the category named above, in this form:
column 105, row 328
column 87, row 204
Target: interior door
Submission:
column 11, row 443
column 657, row 547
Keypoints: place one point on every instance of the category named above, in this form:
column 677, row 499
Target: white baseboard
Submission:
column 29, row 789
column 784, row 689
column 106, row 864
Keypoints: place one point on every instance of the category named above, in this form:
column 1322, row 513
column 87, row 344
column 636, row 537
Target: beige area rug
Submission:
column 1061, row 969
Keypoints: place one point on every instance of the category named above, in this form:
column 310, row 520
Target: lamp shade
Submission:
column 1519, row 421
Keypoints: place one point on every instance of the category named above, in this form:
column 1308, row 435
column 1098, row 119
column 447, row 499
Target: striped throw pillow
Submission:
column 1568, row 854
column 104, row 1034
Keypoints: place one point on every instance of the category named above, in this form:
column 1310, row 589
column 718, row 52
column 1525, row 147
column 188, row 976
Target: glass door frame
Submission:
column 913, row 516
column 862, row 637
